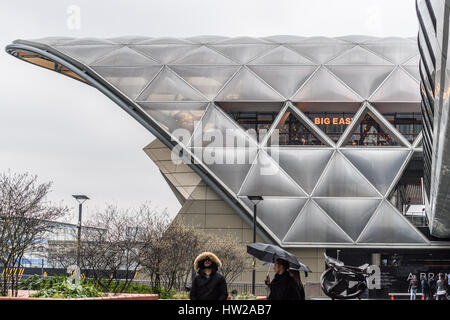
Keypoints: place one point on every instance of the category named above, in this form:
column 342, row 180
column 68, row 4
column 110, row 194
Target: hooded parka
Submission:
column 212, row 287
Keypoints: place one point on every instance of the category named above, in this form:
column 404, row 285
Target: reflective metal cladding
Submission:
column 434, row 71
column 323, row 128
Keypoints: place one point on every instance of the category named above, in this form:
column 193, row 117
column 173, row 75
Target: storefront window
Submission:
column 368, row 133
column 408, row 123
column 331, row 123
column 293, row 132
column 254, row 120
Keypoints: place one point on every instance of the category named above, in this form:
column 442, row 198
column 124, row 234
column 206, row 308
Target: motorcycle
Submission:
column 339, row 281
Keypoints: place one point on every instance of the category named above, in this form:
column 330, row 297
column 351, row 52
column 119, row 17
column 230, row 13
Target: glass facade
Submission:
column 341, row 114
column 433, row 38
column 333, row 124
column 254, row 120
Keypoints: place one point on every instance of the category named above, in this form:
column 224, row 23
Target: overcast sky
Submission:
column 69, row 133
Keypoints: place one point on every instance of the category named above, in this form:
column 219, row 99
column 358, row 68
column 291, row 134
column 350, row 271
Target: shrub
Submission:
column 242, row 296
column 181, row 296
column 164, row 293
column 32, row 283
column 62, row 287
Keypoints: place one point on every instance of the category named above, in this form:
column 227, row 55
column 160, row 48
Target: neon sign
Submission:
column 333, row 121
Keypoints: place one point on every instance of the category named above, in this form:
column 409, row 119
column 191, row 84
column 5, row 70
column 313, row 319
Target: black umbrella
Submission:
column 269, row 253
column 303, row 267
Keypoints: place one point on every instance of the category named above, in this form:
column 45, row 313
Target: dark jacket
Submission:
column 213, row 287
column 284, row 287
column 413, row 284
column 301, row 292
column 432, row 284
column 425, row 286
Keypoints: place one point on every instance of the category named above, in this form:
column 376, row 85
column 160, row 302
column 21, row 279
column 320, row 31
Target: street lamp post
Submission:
column 81, row 199
column 255, row 200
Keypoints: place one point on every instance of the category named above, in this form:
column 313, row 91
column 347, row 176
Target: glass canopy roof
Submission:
column 330, row 100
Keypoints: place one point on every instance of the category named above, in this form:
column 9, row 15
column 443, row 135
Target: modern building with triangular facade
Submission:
column 328, row 131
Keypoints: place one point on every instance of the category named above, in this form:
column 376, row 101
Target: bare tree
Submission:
column 181, row 244
column 25, row 218
column 230, row 251
column 153, row 254
column 115, row 251
column 128, row 241
column 62, row 254
column 170, row 254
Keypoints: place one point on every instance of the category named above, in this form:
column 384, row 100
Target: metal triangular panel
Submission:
column 267, row 179
column 379, row 166
column 214, row 128
column 243, row 40
column 125, row 40
column 168, row 86
column 165, row 41
column 364, row 80
column 324, row 87
column 204, row 55
column 418, row 142
column 278, row 221
column 87, row 53
column 230, row 165
column 87, row 41
column 242, row 53
column 282, row 55
column 282, row 39
column 377, row 130
column 394, row 51
column 164, row 53
column 359, row 56
column 129, row 80
column 351, row 215
column 322, row 40
column 313, row 225
column 304, row 165
column 413, row 70
column 306, row 133
column 357, row 38
column 207, row 79
column 206, row 39
column 398, row 87
column 388, row 226
column 414, row 61
column 178, row 115
column 340, row 179
column 53, row 41
column 283, row 78
column 321, row 52
column 124, row 57
column 245, row 86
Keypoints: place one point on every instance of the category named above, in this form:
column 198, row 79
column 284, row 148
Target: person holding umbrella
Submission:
column 296, row 275
column 283, row 286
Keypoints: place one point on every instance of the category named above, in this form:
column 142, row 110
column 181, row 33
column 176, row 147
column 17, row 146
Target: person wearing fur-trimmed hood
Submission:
column 208, row 284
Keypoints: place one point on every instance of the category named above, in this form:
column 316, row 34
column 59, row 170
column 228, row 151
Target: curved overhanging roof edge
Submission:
column 81, row 72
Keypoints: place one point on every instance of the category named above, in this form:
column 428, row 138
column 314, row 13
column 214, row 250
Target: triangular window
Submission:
column 253, row 117
column 371, row 132
column 293, row 130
